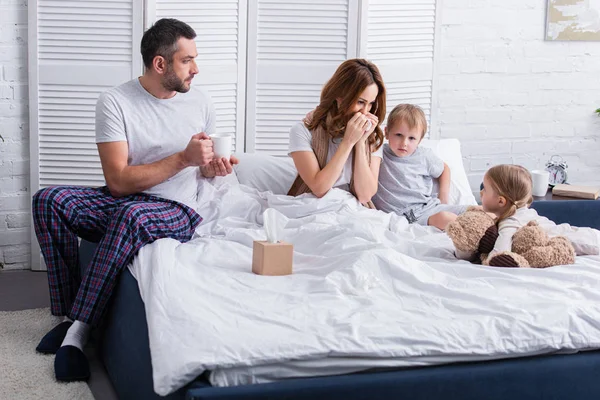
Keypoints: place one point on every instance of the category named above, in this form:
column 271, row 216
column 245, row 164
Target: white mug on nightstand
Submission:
column 222, row 145
column 540, row 182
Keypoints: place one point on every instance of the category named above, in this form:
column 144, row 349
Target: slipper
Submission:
column 51, row 342
column 71, row 365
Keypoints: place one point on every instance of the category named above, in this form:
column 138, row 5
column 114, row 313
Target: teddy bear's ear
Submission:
column 532, row 223
column 474, row 208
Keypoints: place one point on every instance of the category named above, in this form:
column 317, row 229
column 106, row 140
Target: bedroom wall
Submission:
column 14, row 144
column 510, row 96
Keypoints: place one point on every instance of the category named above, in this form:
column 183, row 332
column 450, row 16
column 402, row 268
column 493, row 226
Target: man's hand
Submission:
column 219, row 167
column 199, row 151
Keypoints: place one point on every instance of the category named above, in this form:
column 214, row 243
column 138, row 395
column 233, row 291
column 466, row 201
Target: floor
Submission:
column 22, row 290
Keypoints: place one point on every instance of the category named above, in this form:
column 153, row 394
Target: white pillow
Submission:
column 449, row 151
column 265, row 172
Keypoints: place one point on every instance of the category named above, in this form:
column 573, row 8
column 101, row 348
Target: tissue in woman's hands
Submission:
column 273, row 256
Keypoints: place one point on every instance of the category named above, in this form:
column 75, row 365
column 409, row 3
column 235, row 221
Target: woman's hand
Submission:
column 356, row 127
column 374, row 122
column 372, row 118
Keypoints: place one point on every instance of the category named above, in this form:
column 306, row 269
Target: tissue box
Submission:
column 272, row 258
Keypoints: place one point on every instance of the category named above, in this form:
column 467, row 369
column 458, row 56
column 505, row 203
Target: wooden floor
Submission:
column 22, row 290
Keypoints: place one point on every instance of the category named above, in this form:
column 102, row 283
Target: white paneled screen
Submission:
column 83, row 48
column 400, row 40
column 293, row 49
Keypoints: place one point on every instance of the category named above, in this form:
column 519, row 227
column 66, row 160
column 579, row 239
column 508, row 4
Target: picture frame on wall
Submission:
column 573, row 20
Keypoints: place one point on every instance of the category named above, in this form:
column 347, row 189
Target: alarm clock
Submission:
column 558, row 170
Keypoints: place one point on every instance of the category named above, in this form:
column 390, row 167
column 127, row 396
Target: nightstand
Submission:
column 549, row 196
column 572, row 210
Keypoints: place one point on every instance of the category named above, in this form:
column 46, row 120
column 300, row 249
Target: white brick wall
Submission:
column 510, row 96
column 15, row 211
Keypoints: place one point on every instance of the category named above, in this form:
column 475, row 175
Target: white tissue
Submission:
column 274, row 223
column 369, row 124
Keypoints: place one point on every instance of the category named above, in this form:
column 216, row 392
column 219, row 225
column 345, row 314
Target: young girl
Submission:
column 506, row 193
column 339, row 143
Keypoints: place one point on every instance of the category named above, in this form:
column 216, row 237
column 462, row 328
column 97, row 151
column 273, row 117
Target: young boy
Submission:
column 407, row 172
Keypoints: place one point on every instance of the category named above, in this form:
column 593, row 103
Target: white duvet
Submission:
column 368, row 290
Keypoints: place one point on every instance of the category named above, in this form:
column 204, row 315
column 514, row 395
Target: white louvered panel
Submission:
column 401, row 29
column 224, row 98
column 67, row 149
column 216, row 23
column 220, row 27
column 401, row 38
column 83, row 49
column 278, row 107
column 294, row 47
column 85, row 31
column 418, row 93
column 302, row 31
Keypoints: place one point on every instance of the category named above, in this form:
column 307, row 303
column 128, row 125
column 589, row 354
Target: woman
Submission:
column 339, row 143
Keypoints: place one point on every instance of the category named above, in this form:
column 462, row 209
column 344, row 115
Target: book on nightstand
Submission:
column 583, row 192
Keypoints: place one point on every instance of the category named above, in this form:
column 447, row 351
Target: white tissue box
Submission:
column 272, row 258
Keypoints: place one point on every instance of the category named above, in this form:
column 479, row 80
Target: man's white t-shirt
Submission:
column 155, row 129
column 301, row 140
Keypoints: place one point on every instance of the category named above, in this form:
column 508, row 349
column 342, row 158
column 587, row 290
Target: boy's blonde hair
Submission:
column 513, row 182
column 412, row 115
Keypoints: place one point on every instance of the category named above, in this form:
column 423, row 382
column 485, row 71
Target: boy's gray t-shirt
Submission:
column 406, row 183
column 155, row 129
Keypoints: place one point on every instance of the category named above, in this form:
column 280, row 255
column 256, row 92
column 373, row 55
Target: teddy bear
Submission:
column 474, row 233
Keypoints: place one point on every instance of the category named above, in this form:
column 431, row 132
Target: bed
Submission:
column 125, row 350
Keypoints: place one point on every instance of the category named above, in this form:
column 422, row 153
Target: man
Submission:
column 152, row 135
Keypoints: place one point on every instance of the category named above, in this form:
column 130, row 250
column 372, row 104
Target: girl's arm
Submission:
column 505, row 235
column 320, row 181
column 444, row 181
column 365, row 176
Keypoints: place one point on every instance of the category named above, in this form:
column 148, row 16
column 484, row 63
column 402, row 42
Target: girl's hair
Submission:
column 412, row 115
column 513, row 182
column 347, row 83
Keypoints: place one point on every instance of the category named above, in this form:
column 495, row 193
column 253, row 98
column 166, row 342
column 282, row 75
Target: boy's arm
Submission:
column 444, row 180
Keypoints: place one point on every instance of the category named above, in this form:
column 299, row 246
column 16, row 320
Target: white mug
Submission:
column 540, row 179
column 222, row 145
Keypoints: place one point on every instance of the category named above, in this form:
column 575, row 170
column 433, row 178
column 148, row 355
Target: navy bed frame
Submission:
column 124, row 349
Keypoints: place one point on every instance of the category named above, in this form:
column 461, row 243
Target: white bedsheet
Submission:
column 368, row 290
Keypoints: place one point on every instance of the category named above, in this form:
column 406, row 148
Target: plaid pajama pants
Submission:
column 120, row 226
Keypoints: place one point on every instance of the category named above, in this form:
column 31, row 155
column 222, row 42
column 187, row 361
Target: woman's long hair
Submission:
column 347, row 83
column 513, row 182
